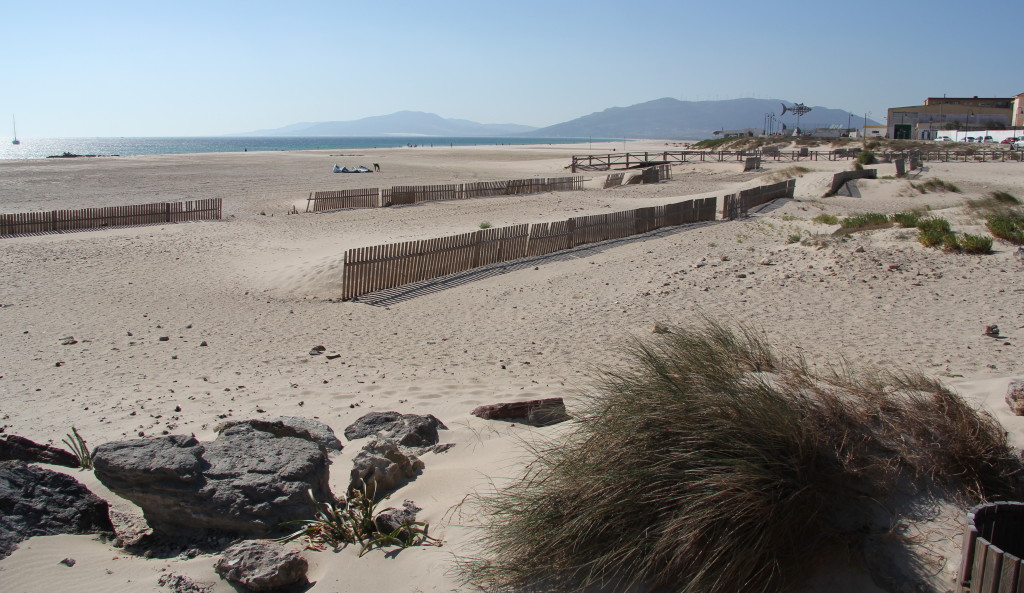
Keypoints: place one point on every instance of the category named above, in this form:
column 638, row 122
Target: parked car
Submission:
column 969, row 139
column 1018, row 145
column 943, row 139
column 1009, row 140
column 987, row 139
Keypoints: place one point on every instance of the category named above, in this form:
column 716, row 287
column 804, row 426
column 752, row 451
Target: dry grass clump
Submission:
column 715, row 465
column 783, row 174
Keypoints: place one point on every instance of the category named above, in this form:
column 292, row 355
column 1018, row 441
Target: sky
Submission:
column 184, row 68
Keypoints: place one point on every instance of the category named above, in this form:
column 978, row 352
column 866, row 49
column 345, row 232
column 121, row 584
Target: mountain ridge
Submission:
column 664, row 118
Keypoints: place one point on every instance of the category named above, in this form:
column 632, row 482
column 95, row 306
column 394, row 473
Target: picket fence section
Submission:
column 413, row 194
column 346, row 198
column 736, row 205
column 90, row 218
column 369, row 269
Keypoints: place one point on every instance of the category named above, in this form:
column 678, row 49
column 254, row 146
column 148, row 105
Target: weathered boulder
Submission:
column 536, row 412
column 382, row 466
column 1015, row 397
column 261, row 565
column 13, row 446
column 391, row 520
column 246, row 482
column 290, row 426
column 408, row 430
column 36, row 501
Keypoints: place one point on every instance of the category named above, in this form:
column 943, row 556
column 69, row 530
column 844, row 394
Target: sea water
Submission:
column 37, row 148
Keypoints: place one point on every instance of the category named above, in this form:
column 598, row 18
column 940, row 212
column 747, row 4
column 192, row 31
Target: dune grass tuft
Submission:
column 715, row 465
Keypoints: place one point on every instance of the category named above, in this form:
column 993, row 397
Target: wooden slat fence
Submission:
column 738, row 204
column 90, row 218
column 346, row 198
column 369, row 269
column 993, row 544
column 839, row 179
column 613, row 180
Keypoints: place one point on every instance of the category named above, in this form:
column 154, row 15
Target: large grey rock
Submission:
column 261, row 565
column 290, row 426
column 246, row 482
column 408, row 430
column 36, row 501
column 1015, row 397
column 382, row 466
column 391, row 520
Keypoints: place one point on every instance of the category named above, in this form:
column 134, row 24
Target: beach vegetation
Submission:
column 825, row 219
column 866, row 157
column 785, row 173
column 975, row 244
column 1007, row 228
column 351, row 520
column 935, row 185
column 794, row 238
column 868, row 219
column 712, row 463
column 485, row 225
column 933, row 237
column 77, row 445
column 907, row 220
column 934, row 224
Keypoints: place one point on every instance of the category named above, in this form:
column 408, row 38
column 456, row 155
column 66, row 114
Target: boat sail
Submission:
column 15, row 126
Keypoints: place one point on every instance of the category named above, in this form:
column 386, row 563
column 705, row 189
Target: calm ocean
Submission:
column 36, row 148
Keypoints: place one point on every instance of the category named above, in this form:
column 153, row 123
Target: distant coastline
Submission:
column 38, row 148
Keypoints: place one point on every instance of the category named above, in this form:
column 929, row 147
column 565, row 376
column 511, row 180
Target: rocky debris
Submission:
column 1015, row 397
column 660, row 328
column 536, row 412
column 291, row 426
column 181, row 584
column 317, row 350
column 246, row 482
column 409, row 430
column 381, row 467
column 13, row 447
column 261, row 565
column 1019, row 254
column 69, row 562
column 991, row 331
column 36, row 501
column 68, row 341
column 391, row 520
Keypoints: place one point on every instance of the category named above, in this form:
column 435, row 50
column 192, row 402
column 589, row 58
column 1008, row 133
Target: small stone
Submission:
column 741, row 275
column 859, row 249
column 203, row 343
column 68, row 562
column 315, row 350
column 68, row 340
column 991, row 331
column 659, row 329
column 1015, row 397
column 164, row 338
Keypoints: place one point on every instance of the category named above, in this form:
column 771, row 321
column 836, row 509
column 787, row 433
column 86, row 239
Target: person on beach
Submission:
column 376, row 168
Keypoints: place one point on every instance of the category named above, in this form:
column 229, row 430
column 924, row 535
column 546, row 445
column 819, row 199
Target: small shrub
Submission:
column 866, row 157
column 858, row 221
column 932, row 237
column 485, row 225
column 76, row 444
column 907, row 220
column 934, row 224
column 1002, row 197
column 825, row 219
column 975, row 244
column 936, row 185
column 857, row 166
column 793, row 239
column 1006, row 228
column 950, row 243
column 350, row 520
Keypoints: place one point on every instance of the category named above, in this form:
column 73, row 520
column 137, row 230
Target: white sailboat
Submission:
column 14, row 125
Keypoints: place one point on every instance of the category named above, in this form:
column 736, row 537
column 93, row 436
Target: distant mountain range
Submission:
column 662, row 118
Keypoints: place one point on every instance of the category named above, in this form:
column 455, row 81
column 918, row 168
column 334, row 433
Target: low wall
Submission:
column 839, row 179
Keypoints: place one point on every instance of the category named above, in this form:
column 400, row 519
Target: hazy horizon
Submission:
column 112, row 69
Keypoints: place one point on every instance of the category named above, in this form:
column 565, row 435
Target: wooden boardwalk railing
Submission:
column 90, row 218
column 633, row 160
column 369, row 269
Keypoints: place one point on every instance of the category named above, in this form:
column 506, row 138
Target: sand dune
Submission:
column 260, row 289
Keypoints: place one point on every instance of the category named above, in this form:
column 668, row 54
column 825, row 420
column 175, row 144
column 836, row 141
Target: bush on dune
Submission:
column 716, row 465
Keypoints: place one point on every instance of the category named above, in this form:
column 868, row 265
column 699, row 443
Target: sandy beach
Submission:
column 242, row 301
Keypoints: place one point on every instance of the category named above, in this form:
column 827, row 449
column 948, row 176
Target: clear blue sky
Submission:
column 184, row 68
